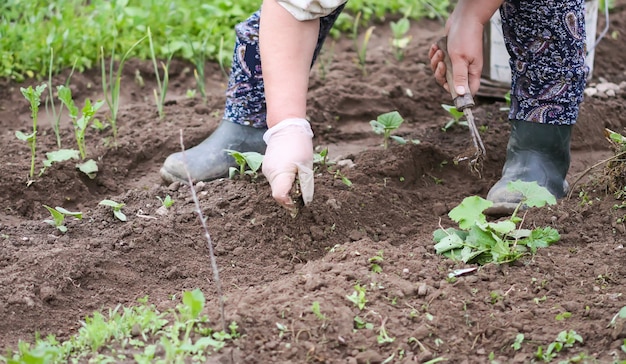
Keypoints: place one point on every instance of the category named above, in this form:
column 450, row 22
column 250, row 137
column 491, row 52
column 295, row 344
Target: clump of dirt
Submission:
column 274, row 266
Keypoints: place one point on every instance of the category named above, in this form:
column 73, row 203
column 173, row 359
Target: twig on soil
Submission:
column 216, row 274
column 586, row 171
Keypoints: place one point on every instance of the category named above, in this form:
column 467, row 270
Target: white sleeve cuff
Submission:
column 310, row 9
column 287, row 123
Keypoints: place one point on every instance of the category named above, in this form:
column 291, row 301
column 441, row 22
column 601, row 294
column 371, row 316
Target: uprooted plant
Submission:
column 34, row 98
column 504, row 241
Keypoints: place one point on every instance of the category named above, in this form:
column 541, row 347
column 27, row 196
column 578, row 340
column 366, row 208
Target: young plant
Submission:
column 58, row 217
column 456, row 117
column 375, row 262
column 34, row 98
column 161, row 91
column 481, row 242
column 385, row 124
column 89, row 167
column 358, row 297
column 400, row 39
column 565, row 339
column 361, row 47
column 116, row 207
column 111, row 83
column 252, row 160
column 166, row 202
column 315, row 308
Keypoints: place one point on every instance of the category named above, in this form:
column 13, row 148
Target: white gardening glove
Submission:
column 289, row 152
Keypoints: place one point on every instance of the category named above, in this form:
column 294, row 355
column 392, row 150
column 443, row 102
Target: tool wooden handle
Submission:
column 460, row 101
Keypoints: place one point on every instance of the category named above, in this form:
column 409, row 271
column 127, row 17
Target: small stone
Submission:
column 439, row 209
column 591, row 91
column 606, row 86
column 161, row 211
column 47, row 293
column 174, row 186
column 610, row 93
column 355, row 235
column 369, row 357
column 347, row 163
column 422, row 290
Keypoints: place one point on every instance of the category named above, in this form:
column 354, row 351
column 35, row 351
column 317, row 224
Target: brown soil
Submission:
column 273, row 267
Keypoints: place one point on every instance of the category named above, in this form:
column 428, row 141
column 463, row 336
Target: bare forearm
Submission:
column 287, row 47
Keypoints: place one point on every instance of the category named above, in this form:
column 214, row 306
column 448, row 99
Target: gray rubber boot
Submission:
column 208, row 160
column 536, row 152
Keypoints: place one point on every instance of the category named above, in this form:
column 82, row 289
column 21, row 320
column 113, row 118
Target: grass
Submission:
column 75, row 31
column 139, row 333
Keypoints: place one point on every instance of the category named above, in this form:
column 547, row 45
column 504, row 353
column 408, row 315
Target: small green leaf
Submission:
column 391, row 120
column 56, row 215
column 78, row 215
column 502, row 227
column 450, row 242
column 195, row 301
column 89, row 167
column 456, row 114
column 111, row 203
column 119, row 215
column 24, row 137
column 470, row 211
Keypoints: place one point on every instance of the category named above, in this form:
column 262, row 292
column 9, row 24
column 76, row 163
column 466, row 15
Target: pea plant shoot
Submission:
column 58, row 217
column 482, row 242
column 251, row 160
column 387, row 123
column 34, row 98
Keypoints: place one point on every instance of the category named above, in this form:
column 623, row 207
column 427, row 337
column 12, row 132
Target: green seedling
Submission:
column 507, row 100
column 222, row 57
column 251, row 160
column 361, row 47
column 34, row 98
column 116, row 207
column 385, row 124
column 358, row 297
column 565, row 339
column 199, row 60
column 563, row 316
column 161, row 91
column 481, row 242
column 315, row 308
column 456, row 117
column 360, row 323
column 400, row 39
column 325, row 59
column 58, row 217
column 517, row 344
column 345, row 180
column 166, row 202
column 111, row 83
column 375, row 262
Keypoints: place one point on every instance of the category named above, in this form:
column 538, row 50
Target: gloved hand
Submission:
column 289, row 152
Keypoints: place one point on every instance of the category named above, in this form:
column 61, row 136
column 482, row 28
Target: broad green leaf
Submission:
column 111, row 203
column 253, row 160
column 119, row 215
column 194, row 300
column 65, row 95
column 470, row 212
column 502, row 227
column 24, row 137
column 377, row 127
column 62, row 155
column 456, row 114
column 450, row 242
column 89, row 167
column 520, row 233
column 78, row 215
column 535, row 195
column 439, row 234
column 391, row 120
column 479, row 236
column 238, row 156
column 56, row 215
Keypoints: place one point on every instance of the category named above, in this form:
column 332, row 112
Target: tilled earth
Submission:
column 272, row 266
